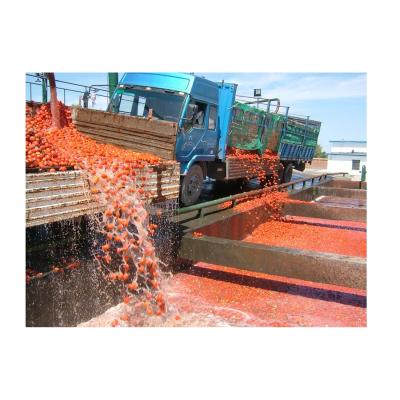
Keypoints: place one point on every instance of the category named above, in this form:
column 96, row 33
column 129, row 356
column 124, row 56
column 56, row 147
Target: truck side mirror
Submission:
column 190, row 117
column 191, row 111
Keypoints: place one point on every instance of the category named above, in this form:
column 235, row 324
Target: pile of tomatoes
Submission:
column 117, row 178
column 64, row 148
column 272, row 202
column 40, row 152
column 257, row 165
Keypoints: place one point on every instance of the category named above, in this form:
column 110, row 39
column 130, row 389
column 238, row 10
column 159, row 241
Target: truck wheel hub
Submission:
column 194, row 184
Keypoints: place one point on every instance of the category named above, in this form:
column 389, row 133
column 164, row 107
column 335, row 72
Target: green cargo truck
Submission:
column 293, row 138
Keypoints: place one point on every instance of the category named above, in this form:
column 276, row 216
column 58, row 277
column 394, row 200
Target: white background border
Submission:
column 289, row 36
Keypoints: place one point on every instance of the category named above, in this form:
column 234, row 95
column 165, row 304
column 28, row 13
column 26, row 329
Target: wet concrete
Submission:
column 208, row 295
column 346, row 183
column 317, row 210
column 315, row 192
column 259, row 288
column 293, row 263
column 69, row 297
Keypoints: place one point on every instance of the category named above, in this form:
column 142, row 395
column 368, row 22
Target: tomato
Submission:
column 117, row 177
column 114, row 323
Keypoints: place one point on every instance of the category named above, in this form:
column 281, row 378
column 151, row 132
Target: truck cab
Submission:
column 204, row 119
column 201, row 109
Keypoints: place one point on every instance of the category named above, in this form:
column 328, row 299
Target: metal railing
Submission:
column 254, row 193
column 85, row 89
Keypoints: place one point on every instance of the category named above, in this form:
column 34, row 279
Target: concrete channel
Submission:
column 223, row 233
column 71, row 297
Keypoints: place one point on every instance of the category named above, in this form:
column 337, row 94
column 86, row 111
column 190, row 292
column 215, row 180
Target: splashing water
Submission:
column 117, row 177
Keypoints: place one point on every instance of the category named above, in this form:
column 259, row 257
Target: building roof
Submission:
column 347, row 153
column 347, row 141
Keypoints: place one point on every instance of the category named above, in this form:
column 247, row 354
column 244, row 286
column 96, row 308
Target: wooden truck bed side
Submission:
column 135, row 133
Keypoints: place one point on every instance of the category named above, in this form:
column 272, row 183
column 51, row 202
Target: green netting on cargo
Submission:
column 255, row 129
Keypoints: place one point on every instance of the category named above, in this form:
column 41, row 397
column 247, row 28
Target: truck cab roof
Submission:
column 200, row 88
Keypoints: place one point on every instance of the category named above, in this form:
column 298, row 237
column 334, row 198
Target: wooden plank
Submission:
column 139, row 148
column 135, row 133
column 169, row 145
column 58, row 196
column 30, row 177
column 102, row 118
column 132, row 132
column 167, row 155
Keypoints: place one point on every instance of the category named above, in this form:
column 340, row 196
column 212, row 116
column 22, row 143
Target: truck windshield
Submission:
column 165, row 105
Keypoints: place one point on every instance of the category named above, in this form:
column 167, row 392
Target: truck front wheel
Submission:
column 192, row 185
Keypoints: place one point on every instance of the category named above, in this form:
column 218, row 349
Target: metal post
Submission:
column 112, row 82
column 363, row 173
column 85, row 98
column 44, row 90
column 30, row 91
column 305, row 131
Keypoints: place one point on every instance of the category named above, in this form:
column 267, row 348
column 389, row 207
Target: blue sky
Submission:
column 338, row 100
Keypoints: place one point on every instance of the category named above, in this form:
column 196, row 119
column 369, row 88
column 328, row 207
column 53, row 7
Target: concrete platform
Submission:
column 300, row 264
column 223, row 233
column 298, row 287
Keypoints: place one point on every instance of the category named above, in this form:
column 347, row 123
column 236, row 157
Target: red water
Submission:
column 212, row 295
column 311, row 237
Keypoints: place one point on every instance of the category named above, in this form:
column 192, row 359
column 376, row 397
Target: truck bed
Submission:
column 294, row 138
column 299, row 140
column 237, row 168
column 135, row 133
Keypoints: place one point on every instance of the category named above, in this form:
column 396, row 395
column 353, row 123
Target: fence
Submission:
column 68, row 95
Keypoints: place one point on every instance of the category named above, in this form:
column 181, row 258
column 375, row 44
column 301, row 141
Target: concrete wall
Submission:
column 318, row 163
column 348, row 146
column 349, row 149
column 343, row 163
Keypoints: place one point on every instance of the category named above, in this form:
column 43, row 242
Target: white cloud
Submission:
column 292, row 88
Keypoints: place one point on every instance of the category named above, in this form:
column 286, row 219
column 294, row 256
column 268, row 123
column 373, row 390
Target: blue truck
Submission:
column 196, row 121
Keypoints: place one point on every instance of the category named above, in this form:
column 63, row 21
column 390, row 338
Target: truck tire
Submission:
column 281, row 170
column 301, row 166
column 287, row 174
column 192, row 185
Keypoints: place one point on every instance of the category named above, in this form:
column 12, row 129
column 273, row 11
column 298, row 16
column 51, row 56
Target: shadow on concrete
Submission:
column 337, row 296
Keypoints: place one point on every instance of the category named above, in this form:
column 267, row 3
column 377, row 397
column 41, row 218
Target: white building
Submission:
column 347, row 156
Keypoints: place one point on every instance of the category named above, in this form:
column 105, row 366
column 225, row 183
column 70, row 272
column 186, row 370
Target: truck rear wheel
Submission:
column 287, row 174
column 281, row 170
column 301, row 166
column 192, row 185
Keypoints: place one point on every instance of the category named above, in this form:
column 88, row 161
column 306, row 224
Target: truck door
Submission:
column 199, row 134
column 211, row 136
